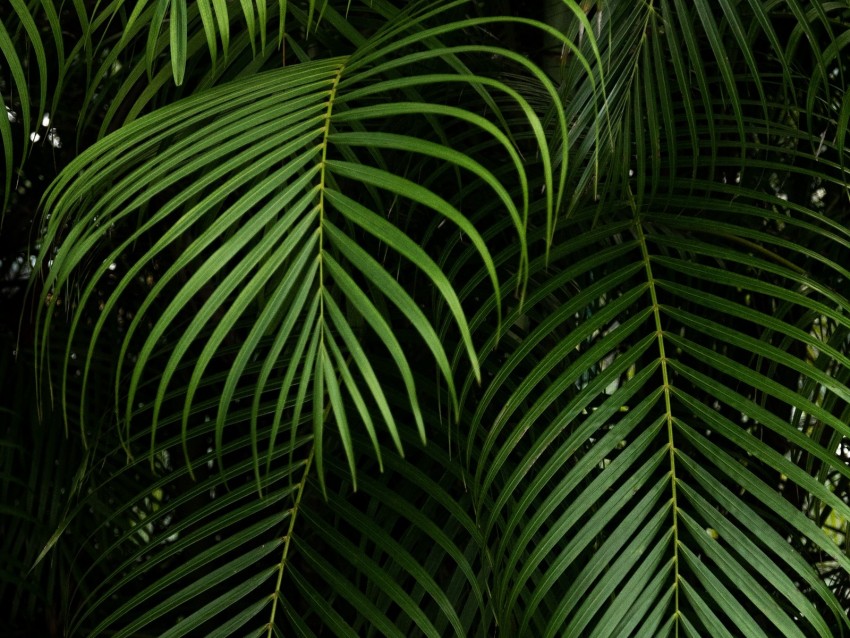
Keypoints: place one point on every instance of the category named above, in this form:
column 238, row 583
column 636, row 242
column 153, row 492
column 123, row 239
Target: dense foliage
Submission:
column 440, row 318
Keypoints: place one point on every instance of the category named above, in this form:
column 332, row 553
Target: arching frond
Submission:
column 313, row 234
column 182, row 557
column 662, row 435
column 241, row 202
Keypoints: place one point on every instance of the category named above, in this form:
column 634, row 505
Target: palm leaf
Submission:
column 653, row 386
column 642, row 353
column 29, row 100
column 291, row 560
column 281, row 149
column 41, row 472
column 655, row 382
column 641, row 400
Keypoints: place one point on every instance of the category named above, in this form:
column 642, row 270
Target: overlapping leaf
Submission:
column 673, row 69
column 183, row 557
column 255, row 199
column 39, row 471
column 652, row 450
column 668, row 374
column 643, row 414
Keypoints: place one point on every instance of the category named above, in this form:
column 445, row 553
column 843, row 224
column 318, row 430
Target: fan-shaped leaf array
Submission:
column 370, row 325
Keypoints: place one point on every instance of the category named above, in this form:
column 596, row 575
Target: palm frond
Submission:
column 624, row 391
column 26, row 101
column 614, row 302
column 667, row 374
column 252, row 184
column 671, row 72
column 293, row 560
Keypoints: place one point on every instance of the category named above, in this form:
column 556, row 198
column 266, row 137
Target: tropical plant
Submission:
column 349, row 319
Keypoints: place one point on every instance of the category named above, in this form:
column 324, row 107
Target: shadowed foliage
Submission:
column 440, row 318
